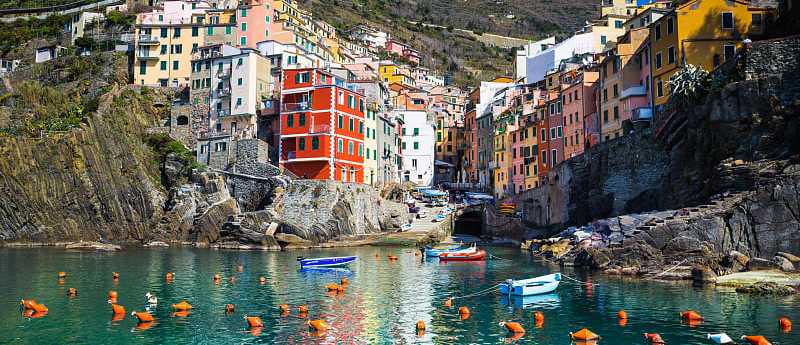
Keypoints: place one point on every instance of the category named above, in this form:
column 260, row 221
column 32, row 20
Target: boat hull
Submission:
column 328, row 262
column 479, row 255
column 534, row 286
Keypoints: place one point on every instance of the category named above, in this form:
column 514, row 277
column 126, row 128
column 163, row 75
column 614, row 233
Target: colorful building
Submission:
column 578, row 99
column 417, row 145
column 322, row 126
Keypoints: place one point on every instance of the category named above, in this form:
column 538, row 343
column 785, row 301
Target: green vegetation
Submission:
column 163, row 145
column 49, row 109
column 117, row 18
column 18, row 33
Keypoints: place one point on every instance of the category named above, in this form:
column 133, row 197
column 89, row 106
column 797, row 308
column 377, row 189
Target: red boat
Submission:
column 479, row 255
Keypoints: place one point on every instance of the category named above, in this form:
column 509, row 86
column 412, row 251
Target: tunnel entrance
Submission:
column 469, row 223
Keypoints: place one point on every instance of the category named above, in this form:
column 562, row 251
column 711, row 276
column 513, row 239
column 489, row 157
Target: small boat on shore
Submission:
column 439, row 218
column 477, row 255
column 435, row 251
column 533, row 286
column 337, row 261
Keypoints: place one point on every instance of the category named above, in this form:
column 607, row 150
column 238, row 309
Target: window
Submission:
column 163, row 32
column 175, row 65
column 618, row 24
column 228, row 30
column 616, row 113
column 603, row 39
column 244, row 27
column 605, row 116
column 350, row 147
column 544, row 134
column 560, row 132
column 244, row 12
column 670, row 26
column 177, row 48
column 351, row 102
column 344, row 174
column 243, row 41
column 361, row 128
column 730, row 51
column 555, row 156
column 544, row 157
column 339, row 146
column 340, row 122
column 163, row 49
column 163, row 65
column 360, row 150
column 239, row 81
column 616, row 90
column 301, row 144
column 658, row 60
column 210, row 30
column 350, row 126
column 416, row 145
column 315, row 143
column 266, row 19
column 659, row 88
column 341, row 98
column 220, row 147
column 176, row 32
column 727, row 21
column 301, row 119
column 553, row 133
column 142, row 67
column 404, row 146
column 757, row 23
column 195, row 31
column 671, row 55
column 605, row 95
column 194, row 47
column 290, row 120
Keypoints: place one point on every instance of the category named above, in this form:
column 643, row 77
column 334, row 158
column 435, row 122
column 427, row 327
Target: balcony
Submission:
column 223, row 74
column 148, row 40
column 319, row 129
column 642, row 114
column 223, row 92
column 634, row 91
column 145, row 55
column 223, row 113
column 302, row 106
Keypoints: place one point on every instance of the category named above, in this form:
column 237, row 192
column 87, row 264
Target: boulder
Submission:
column 784, row 264
column 757, row 264
column 767, row 288
column 703, row 275
column 683, row 244
column 557, row 249
column 739, row 258
column 156, row 244
column 793, row 258
column 87, row 245
column 291, row 241
column 594, row 258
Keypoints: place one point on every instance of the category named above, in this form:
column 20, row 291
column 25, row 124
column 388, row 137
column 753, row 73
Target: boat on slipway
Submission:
column 533, row 286
column 337, row 261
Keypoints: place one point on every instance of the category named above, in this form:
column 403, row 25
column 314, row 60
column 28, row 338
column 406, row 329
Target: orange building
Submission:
column 321, row 126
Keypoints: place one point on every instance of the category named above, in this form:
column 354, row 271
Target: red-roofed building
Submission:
column 321, row 126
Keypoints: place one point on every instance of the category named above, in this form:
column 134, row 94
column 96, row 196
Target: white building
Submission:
column 81, row 20
column 527, row 51
column 418, row 144
column 370, row 36
column 289, row 55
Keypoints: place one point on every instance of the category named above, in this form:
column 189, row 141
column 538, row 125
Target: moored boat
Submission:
column 337, row 261
column 477, row 255
column 533, row 286
column 435, row 251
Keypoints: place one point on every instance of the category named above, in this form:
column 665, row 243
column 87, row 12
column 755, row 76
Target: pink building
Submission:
column 578, row 102
column 635, row 97
column 255, row 19
column 555, row 127
column 395, row 47
column 412, row 55
column 518, row 157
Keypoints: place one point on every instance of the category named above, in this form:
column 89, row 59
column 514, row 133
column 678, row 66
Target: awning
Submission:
column 433, row 193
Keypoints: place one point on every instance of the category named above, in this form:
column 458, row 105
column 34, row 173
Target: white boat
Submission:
column 435, row 252
column 720, row 338
column 533, row 286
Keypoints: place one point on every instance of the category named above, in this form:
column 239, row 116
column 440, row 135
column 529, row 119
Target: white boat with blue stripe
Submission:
column 337, row 261
column 533, row 286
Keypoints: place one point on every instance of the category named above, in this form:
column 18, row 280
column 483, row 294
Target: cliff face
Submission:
column 96, row 182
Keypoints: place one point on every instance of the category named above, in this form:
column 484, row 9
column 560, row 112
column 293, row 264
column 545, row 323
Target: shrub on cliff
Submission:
column 688, row 86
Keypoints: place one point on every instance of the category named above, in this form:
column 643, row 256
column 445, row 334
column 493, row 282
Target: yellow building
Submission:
column 701, row 33
column 394, row 74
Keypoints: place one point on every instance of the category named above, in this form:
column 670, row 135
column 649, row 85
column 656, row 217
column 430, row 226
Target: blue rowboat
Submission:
column 337, row 261
column 436, row 251
column 533, row 286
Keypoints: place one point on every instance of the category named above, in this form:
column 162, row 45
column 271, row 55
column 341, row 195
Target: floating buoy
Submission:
column 756, row 340
column 720, row 338
column 622, row 322
column 463, row 311
column 584, row 334
column 284, row 308
column 61, row 281
column 232, row 280
column 392, row 258
column 114, row 275
column 62, row 275
column 254, row 321
column 117, row 317
column 691, row 315
column 230, row 308
column 340, row 289
column 181, row 313
column 182, row 306
column 27, row 303
column 448, row 303
column 319, row 325
column 344, row 281
column 143, row 316
column 112, row 295
column 117, row 308
column 39, row 308
column 302, row 309
column 262, row 280
column 217, row 278
column 332, row 287
column 538, row 316
column 622, row 314
column 72, row 292
column 420, row 325
column 239, row 268
column 653, row 338
column 513, row 327
column 784, row 322
column 170, row 276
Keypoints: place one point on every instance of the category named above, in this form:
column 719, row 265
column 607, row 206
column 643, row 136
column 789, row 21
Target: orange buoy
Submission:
column 182, row 306
column 284, row 308
column 143, row 316
column 181, row 313
column 463, row 311
column 170, row 276
column 784, row 322
column 622, row 322
column 538, row 316
column 39, row 308
column 756, row 340
column 239, row 268
column 653, row 338
column 256, row 331
column 262, row 280
column 420, row 325
column 143, row 326
column 232, row 280
column 513, row 327
column 62, row 275
column 341, row 289
column 112, row 295
column 691, row 315
column 302, row 309
column 230, row 308
column 28, row 303
column 117, row 317
column 539, row 323
column 72, row 292
column 448, row 303
column 254, row 321
column 61, row 281
column 217, row 277
column 344, row 281
column 622, row 315
column 332, row 287
column 319, row 325
column 117, row 309
column 114, row 275
column 584, row 334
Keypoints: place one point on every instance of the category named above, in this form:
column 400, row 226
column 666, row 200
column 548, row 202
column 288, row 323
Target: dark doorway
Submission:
column 469, row 223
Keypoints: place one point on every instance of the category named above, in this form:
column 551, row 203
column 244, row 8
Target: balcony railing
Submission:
column 642, row 114
column 302, row 106
column 148, row 40
column 223, row 74
column 145, row 55
column 223, row 92
column 319, row 129
column 632, row 91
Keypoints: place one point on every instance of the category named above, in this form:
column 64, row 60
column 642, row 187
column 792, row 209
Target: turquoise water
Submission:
column 382, row 303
